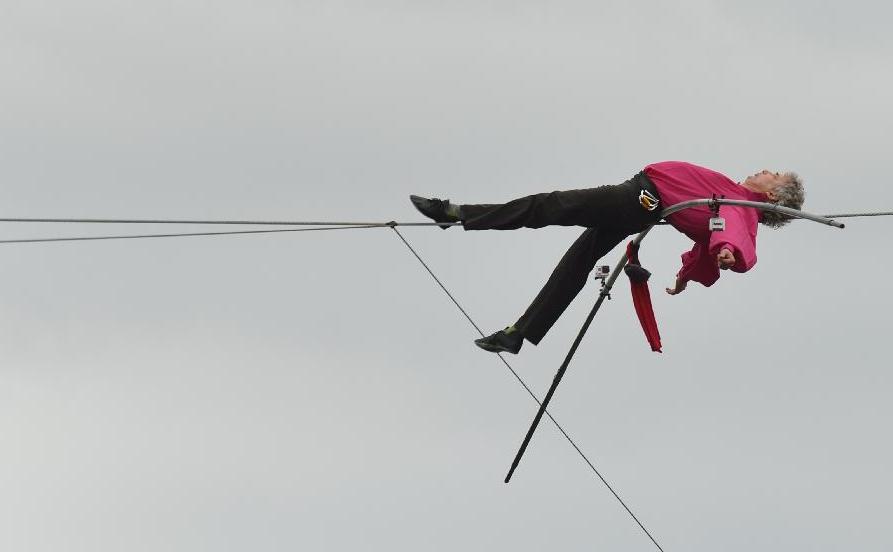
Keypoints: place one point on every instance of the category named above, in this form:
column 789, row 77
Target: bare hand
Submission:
column 726, row 259
column 679, row 288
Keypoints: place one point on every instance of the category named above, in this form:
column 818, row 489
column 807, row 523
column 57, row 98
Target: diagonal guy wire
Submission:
column 531, row 393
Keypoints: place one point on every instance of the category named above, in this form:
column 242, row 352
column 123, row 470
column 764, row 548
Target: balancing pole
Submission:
column 609, row 283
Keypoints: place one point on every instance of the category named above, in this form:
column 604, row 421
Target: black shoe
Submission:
column 501, row 342
column 435, row 209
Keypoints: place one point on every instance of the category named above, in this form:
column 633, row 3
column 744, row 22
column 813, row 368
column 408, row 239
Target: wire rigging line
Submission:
column 181, row 235
column 531, row 393
column 353, row 224
column 322, row 225
column 218, row 221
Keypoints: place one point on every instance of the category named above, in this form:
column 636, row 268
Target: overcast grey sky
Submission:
column 316, row 391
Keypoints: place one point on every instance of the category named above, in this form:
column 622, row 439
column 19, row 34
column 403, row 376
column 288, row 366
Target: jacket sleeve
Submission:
column 737, row 237
column 699, row 266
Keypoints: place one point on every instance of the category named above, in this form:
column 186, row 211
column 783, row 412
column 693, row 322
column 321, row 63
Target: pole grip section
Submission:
column 556, row 381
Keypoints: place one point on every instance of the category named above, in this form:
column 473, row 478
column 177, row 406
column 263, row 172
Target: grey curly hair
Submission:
column 790, row 194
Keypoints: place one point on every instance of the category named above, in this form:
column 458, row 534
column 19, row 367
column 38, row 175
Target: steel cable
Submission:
column 219, row 221
column 186, row 234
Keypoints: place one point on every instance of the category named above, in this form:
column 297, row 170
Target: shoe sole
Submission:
column 496, row 348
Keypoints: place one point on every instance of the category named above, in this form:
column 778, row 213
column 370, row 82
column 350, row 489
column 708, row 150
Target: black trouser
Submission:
column 610, row 214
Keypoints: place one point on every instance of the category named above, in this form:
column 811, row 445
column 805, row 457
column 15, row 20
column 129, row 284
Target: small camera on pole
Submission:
column 601, row 275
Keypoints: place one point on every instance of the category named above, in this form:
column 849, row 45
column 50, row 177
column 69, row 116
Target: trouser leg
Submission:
column 610, row 213
column 566, row 281
column 615, row 206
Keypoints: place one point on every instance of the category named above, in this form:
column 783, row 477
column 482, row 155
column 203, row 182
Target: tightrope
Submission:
column 219, row 221
column 377, row 224
column 182, row 235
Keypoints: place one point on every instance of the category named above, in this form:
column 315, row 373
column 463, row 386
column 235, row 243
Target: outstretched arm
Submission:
column 697, row 265
column 725, row 260
column 735, row 248
column 679, row 287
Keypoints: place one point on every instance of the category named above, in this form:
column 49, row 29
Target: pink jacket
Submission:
column 677, row 181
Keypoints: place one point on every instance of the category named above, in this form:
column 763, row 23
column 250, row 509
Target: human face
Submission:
column 764, row 182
